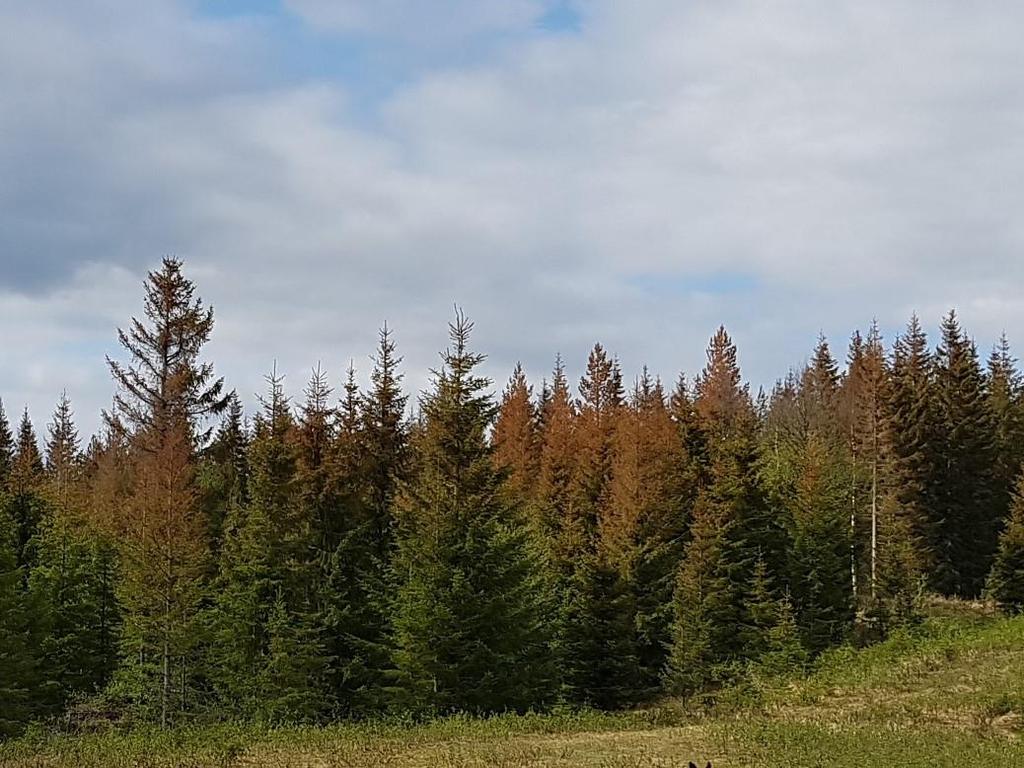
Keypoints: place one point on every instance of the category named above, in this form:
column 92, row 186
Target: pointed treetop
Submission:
column 348, row 411
column 6, row 447
column 63, row 445
column 164, row 380
column 601, row 387
column 276, row 413
column 821, row 377
column 720, row 394
column 28, row 462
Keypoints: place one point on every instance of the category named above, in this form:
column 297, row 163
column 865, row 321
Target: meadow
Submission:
column 948, row 693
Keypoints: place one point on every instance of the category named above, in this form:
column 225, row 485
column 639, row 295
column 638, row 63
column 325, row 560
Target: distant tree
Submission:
column 223, row 471
column 601, row 399
column 25, row 504
column 552, row 515
column 865, row 422
column 515, row 440
column 6, row 449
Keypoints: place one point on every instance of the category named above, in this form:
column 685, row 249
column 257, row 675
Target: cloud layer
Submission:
column 782, row 167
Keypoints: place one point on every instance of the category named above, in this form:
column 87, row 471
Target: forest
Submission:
column 358, row 553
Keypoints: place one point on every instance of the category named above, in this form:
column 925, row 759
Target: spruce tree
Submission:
column 20, row 673
column 164, row 395
column 962, row 485
column 807, row 473
column 25, row 504
column 601, row 398
column 820, row 577
column 223, row 471
column 70, row 581
column 386, row 442
column 732, row 529
column 372, row 461
column 913, row 435
column 552, row 518
column 469, row 621
column 1006, row 406
column 1006, row 582
column 865, row 422
column 354, row 610
column 6, row 449
column 515, row 440
column 599, row 658
column 644, row 522
column 266, row 561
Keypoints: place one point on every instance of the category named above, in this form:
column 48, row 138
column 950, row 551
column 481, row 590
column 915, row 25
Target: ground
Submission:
column 948, row 694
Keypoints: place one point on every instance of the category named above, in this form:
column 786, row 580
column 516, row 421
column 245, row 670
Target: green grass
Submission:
column 948, row 694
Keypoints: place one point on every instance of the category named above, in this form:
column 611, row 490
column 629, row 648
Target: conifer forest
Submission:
column 349, row 553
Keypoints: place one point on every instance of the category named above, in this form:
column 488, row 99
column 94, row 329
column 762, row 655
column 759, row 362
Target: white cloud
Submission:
column 782, row 167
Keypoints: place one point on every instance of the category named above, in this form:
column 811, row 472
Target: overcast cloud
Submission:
column 634, row 173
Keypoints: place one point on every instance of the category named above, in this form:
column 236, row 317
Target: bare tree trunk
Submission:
column 853, row 525
column 874, row 521
column 165, row 688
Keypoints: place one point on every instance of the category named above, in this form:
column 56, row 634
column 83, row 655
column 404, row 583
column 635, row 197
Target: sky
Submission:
column 566, row 171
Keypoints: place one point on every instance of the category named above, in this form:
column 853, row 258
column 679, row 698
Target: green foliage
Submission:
column 291, row 678
column 1006, row 582
column 469, row 624
column 72, row 586
column 597, row 648
column 22, row 692
column 962, row 487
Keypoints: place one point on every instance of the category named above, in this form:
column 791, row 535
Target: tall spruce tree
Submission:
column 25, row 503
column 377, row 463
column 644, row 523
column 732, row 529
column 469, row 621
column 164, row 395
column 71, row 579
column 806, row 471
column 962, row 482
column 864, row 420
column 266, row 574
column 908, row 538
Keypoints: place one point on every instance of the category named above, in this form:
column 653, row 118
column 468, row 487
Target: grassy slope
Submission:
column 951, row 695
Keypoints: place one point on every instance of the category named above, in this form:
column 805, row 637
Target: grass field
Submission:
column 950, row 694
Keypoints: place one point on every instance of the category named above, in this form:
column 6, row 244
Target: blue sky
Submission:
column 569, row 171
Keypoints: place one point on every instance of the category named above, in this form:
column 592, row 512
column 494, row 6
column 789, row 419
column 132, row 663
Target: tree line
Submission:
column 354, row 554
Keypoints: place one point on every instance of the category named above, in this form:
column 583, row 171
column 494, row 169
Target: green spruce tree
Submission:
column 469, row 622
